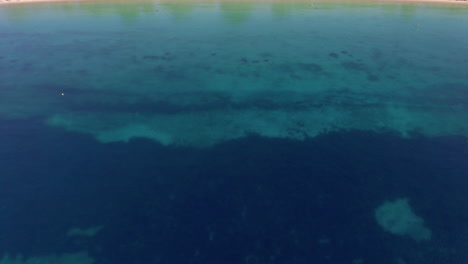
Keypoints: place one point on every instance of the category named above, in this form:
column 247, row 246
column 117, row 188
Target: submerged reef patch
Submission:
column 207, row 127
column 398, row 218
column 72, row 258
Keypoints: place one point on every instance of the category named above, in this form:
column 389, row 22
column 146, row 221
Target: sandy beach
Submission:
column 3, row 2
column 28, row 1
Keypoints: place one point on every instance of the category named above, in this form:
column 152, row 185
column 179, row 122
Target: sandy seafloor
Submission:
column 233, row 132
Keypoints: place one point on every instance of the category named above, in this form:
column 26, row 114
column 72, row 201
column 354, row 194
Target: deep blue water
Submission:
column 267, row 200
column 233, row 132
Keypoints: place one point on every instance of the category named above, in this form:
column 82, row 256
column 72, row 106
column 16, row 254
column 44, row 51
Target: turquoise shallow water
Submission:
column 202, row 73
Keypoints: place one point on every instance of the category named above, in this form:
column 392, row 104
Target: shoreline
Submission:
column 454, row 2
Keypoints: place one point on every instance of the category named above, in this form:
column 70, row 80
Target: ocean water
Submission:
column 233, row 132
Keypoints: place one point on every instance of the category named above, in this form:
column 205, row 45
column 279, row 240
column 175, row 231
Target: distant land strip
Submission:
column 2, row 2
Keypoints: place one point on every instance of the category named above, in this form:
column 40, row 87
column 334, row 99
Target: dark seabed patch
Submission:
column 354, row 65
column 252, row 200
column 167, row 56
column 334, row 55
